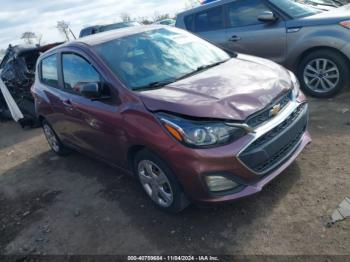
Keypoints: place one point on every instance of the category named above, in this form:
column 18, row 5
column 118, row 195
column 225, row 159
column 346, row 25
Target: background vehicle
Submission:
column 314, row 44
column 170, row 22
column 323, row 5
column 190, row 120
column 91, row 30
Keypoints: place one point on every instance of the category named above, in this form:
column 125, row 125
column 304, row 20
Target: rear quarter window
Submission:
column 49, row 75
column 189, row 22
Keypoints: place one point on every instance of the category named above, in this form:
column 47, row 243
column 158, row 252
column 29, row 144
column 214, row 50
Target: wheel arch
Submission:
column 132, row 152
column 317, row 48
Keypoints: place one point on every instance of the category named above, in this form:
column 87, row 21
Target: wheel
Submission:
column 323, row 73
column 53, row 140
column 159, row 183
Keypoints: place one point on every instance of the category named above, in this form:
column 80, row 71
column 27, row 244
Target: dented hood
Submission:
column 233, row 90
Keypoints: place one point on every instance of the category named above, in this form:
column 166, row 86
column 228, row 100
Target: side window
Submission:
column 245, row 12
column 189, row 22
column 209, row 20
column 49, row 74
column 77, row 71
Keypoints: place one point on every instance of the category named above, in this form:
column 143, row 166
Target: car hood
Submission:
column 233, row 90
column 333, row 16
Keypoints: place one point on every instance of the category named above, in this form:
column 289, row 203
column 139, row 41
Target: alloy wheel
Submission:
column 155, row 183
column 321, row 75
column 51, row 138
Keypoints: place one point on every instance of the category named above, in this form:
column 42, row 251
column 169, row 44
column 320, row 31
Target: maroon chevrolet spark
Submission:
column 191, row 121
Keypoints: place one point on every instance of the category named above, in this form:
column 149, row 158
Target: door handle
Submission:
column 68, row 104
column 235, row 38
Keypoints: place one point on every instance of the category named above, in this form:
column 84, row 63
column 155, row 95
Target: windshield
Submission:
column 294, row 9
column 157, row 56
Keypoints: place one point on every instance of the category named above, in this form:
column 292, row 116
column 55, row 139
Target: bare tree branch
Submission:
column 28, row 37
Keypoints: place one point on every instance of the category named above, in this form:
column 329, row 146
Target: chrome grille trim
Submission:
column 267, row 127
column 264, row 115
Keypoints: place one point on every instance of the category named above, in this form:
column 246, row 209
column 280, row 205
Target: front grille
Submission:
column 263, row 116
column 275, row 158
column 268, row 150
column 278, row 129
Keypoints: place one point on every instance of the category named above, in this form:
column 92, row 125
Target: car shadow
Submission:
column 15, row 134
column 196, row 230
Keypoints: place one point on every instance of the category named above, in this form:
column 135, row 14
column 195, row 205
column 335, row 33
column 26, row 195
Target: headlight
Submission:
column 295, row 83
column 200, row 133
column 220, row 183
column 345, row 24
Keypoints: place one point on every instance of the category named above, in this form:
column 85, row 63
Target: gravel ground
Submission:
column 76, row 205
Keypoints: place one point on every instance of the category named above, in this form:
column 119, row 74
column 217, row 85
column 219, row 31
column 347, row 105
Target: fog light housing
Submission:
column 218, row 183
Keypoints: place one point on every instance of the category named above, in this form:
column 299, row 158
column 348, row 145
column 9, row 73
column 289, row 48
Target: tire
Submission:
column 54, row 142
column 159, row 182
column 324, row 73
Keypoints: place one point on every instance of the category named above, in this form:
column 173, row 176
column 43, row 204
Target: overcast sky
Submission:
column 41, row 16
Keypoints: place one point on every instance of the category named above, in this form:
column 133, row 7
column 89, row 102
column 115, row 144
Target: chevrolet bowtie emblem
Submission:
column 275, row 110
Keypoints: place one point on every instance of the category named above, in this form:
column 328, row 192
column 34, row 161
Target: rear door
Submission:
column 49, row 81
column 246, row 34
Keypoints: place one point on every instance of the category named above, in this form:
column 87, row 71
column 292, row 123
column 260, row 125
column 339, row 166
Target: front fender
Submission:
column 308, row 38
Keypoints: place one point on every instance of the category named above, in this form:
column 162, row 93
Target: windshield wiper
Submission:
column 160, row 84
column 153, row 85
column 201, row 68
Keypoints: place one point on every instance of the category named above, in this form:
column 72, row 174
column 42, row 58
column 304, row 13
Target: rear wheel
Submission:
column 323, row 73
column 53, row 140
column 159, row 183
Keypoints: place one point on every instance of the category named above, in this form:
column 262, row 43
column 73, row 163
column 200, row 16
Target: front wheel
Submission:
column 159, row 183
column 323, row 73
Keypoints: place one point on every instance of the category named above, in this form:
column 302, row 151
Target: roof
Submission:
column 22, row 49
column 103, row 37
column 204, row 7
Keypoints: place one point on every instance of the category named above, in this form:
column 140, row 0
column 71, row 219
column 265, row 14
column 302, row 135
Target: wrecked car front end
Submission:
column 17, row 72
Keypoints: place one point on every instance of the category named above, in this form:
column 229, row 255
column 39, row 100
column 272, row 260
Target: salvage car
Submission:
column 191, row 121
column 17, row 71
column 312, row 43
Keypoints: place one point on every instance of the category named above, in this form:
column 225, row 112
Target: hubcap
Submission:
column 321, row 75
column 51, row 138
column 155, row 183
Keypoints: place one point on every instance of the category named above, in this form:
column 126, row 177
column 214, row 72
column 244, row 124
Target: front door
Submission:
column 94, row 123
column 246, row 34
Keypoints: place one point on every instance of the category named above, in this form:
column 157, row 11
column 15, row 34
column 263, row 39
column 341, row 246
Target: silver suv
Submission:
column 314, row 44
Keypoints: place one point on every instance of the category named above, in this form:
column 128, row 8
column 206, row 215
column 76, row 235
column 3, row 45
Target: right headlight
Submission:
column 200, row 133
column 295, row 84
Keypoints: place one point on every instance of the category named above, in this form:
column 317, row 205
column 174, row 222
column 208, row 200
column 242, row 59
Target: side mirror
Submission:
column 267, row 17
column 91, row 90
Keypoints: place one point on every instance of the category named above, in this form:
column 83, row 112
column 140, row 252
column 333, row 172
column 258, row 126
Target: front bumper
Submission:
column 191, row 165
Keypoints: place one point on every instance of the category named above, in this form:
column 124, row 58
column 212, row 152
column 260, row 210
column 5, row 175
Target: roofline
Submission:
column 204, row 7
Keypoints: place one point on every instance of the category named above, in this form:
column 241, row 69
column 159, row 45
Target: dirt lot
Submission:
column 76, row 205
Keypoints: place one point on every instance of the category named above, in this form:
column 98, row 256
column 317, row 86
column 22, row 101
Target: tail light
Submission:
column 345, row 24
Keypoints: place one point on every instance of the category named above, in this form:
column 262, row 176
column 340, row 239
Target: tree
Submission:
column 144, row 20
column 63, row 28
column 28, row 37
column 191, row 4
column 39, row 38
column 159, row 17
column 125, row 17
